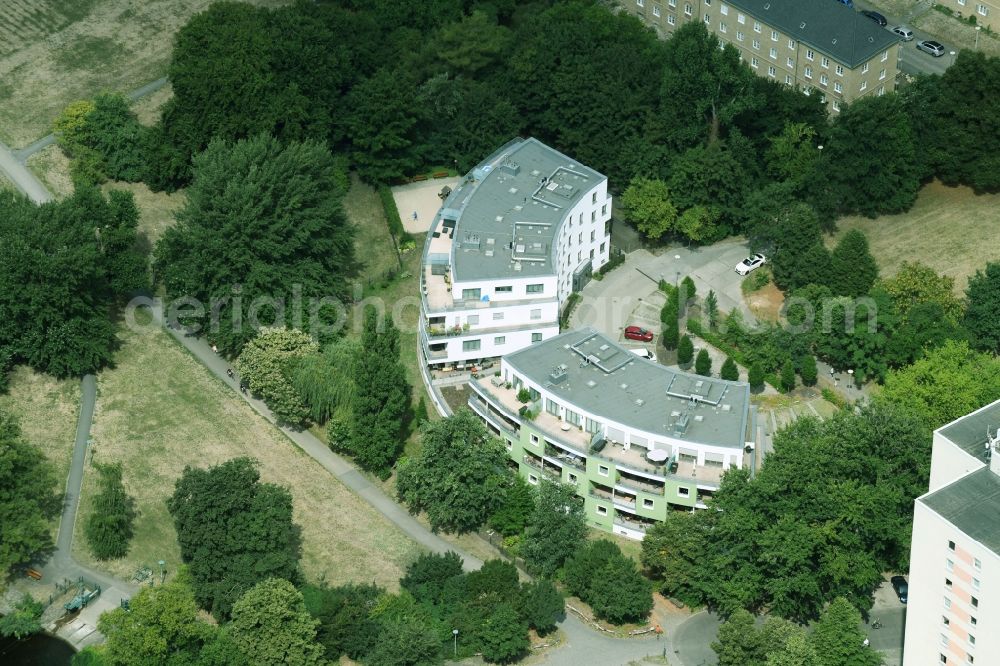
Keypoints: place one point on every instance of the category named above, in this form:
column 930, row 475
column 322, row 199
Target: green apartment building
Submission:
column 821, row 47
column 635, row 438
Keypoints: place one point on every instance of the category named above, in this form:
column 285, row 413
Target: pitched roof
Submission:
column 826, row 25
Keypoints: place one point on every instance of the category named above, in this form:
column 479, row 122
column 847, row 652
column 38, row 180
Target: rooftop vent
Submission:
column 726, row 408
column 558, row 375
column 509, row 166
column 624, row 386
column 802, row 25
column 639, row 401
column 591, row 383
column 681, row 424
column 499, row 218
column 699, row 418
column 513, row 190
column 674, row 414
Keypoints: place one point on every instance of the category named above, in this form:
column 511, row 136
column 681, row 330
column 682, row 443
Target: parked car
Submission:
column 901, row 587
column 642, row 352
column 638, row 333
column 903, row 32
column 751, row 263
column 936, row 49
column 875, row 16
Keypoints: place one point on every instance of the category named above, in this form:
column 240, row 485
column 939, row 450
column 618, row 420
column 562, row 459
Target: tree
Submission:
column 383, row 126
column 557, row 530
column 792, row 155
column 712, row 309
column 796, row 652
column 270, row 622
column 871, row 157
column 947, row 383
column 700, row 223
column 382, row 398
column 755, row 376
column 853, row 270
column 711, row 181
column 541, row 605
column 516, row 508
column 160, row 625
column 459, row 476
column 109, row 527
column 325, row 381
column 688, row 292
column 703, row 363
column 24, row 620
column 266, row 365
column 471, row 44
column 671, row 325
column 504, row 636
column 673, row 553
column 739, row 641
column 427, row 576
column 916, row 284
column 618, row 593
column 647, row 202
column 729, row 370
column 344, row 614
column 233, row 531
column 788, row 375
column 982, row 313
column 244, row 192
column 582, row 568
column 799, row 257
column 29, row 500
column 685, row 350
column 838, row 639
column 807, row 370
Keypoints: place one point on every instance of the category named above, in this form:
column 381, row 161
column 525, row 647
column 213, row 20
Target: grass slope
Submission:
column 160, row 410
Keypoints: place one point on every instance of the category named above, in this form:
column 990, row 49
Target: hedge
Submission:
column 694, row 326
column 392, row 214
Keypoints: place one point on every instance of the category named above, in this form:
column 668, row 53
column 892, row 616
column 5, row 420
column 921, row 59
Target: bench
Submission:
column 33, row 573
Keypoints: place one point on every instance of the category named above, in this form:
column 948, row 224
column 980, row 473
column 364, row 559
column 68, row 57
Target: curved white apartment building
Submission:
column 523, row 230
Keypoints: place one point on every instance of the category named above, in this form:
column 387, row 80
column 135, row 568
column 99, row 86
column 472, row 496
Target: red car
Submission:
column 638, row 333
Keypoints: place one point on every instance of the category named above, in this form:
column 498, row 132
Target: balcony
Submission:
column 548, row 469
column 622, row 501
column 498, row 421
column 562, row 456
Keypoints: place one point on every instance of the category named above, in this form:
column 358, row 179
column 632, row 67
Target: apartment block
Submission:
column 953, row 608
column 522, row 231
column 986, row 12
column 635, row 438
column 821, row 47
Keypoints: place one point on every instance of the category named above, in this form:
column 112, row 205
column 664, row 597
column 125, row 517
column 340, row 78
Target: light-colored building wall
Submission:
column 987, row 12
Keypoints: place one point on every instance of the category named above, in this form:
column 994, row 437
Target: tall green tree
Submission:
column 344, row 614
column 619, row 593
column 703, row 363
column 459, row 477
column 383, row 126
column 266, row 364
column 504, row 637
column 793, row 154
column 799, row 257
column 242, row 194
column 541, row 605
column 685, row 350
column 671, row 325
column 110, row 526
column 382, row 399
column 516, row 509
column 712, row 309
column 729, row 371
column 325, row 381
column 755, row 376
column 24, row 619
column 808, row 370
column 233, row 531
column 788, row 375
column 557, row 531
column 917, row 284
column 853, row 269
column 647, row 201
column 28, row 501
column 739, row 641
column 982, row 313
column 838, row 640
column 270, row 622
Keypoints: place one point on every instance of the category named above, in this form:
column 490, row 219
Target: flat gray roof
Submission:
column 827, row 25
column 969, row 432
column 507, row 211
column 972, row 504
column 589, row 370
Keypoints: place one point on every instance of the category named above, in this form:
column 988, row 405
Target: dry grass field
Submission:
column 950, row 229
column 148, row 108
column 156, row 209
column 51, row 166
column 160, row 410
column 53, row 52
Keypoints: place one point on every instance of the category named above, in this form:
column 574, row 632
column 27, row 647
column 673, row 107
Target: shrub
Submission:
column 808, row 370
column 391, row 213
column 703, row 364
column 671, row 326
column 265, row 365
column 729, row 370
column 109, row 528
column 755, row 376
column 688, row 289
column 685, row 350
column 755, row 282
column 571, row 302
column 524, row 395
column 788, row 375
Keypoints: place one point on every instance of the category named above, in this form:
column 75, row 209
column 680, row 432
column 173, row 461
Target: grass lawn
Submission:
column 149, row 108
column 51, row 166
column 6, row 184
column 945, row 230
column 156, row 209
column 159, row 410
column 956, row 34
column 53, row 52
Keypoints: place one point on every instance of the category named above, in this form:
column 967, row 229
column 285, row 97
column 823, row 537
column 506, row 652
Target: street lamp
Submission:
column 454, row 632
column 978, row 28
column 163, row 571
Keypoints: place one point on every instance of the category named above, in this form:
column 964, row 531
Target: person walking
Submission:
column 229, row 371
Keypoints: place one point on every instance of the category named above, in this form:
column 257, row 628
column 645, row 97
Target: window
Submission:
column 840, row 70
column 672, row 3
column 510, row 444
column 774, row 35
column 684, row 492
column 864, row 68
column 943, row 659
column 602, row 510
column 773, row 53
column 708, row 19
column 949, row 565
column 724, row 8
column 975, row 583
column 534, row 439
column 947, row 582
column 536, row 337
column 572, row 477
column 754, row 62
column 741, row 19
column 670, row 19
column 951, row 545
column 789, row 63
column 970, row 658
column 983, row 10
column 788, row 79
column 809, row 54
column 497, row 316
column 532, row 479
column 580, row 239
column 471, row 294
column 687, row 10
column 593, row 197
column 864, row 86
column 603, row 470
column 947, row 602
column 593, row 215
column 647, row 504
column 975, row 602
column 881, row 75
column 945, row 621
column 708, row 3
column 504, row 290
column 973, row 621
column 641, row 3
column 499, row 340
column 722, row 26
column 823, row 79
column 536, row 313
column 656, row 10
column 824, row 61
column 470, row 345
column 837, row 87
column 972, row 639
column 534, row 289
column 739, row 36
column 473, row 320
column 579, row 256
column 961, row 2
column 756, row 43
column 593, row 236
column 770, row 71
column 944, row 641
column 604, row 210
column 791, row 43
column 977, row 563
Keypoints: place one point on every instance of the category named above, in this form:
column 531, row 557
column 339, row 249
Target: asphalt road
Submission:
column 912, row 61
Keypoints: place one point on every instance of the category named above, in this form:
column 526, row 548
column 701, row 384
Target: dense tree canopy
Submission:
column 233, row 531
column 557, row 530
column 982, row 313
column 266, row 363
column 460, row 475
column 260, row 240
column 270, row 622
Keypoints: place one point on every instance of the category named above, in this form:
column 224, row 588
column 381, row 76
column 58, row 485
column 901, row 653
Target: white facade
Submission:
column 953, row 610
column 502, row 253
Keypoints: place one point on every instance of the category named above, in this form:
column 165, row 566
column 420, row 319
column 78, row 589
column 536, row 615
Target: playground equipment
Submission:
column 83, row 597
